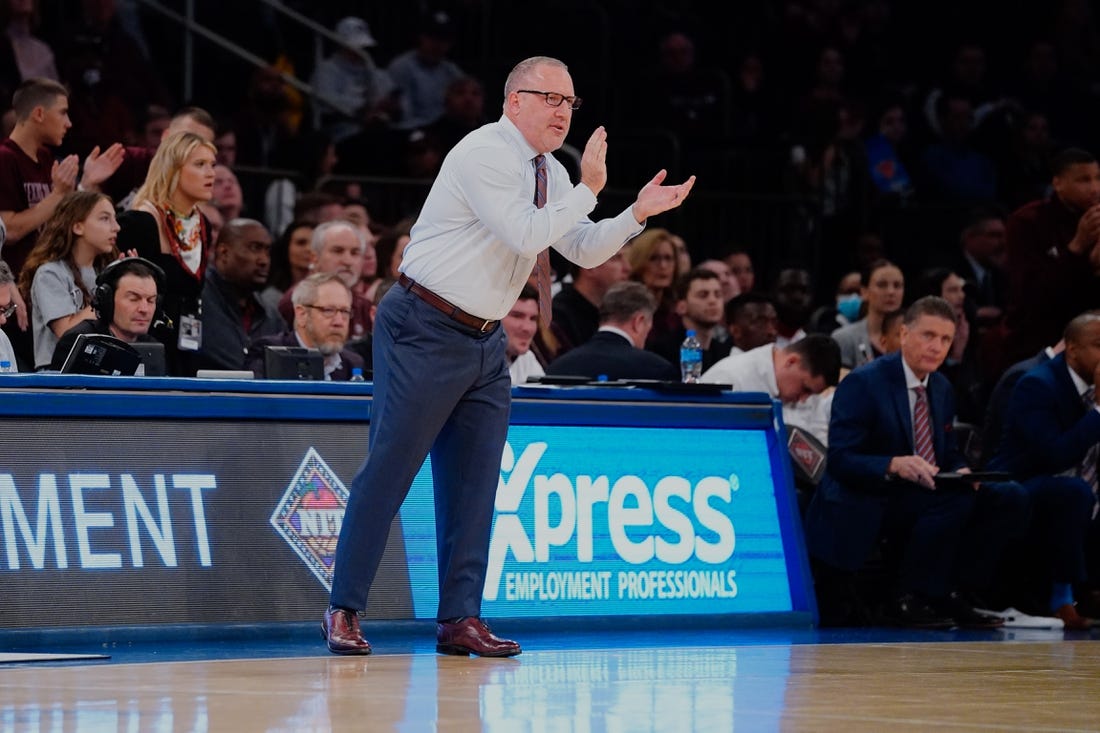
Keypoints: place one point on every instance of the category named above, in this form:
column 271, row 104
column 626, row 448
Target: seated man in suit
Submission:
column 890, row 434
column 1051, row 440
column 617, row 350
column 125, row 304
column 322, row 313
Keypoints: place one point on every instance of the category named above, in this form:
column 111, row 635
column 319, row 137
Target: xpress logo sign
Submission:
column 309, row 515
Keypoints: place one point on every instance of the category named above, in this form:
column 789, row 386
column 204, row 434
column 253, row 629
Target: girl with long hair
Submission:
column 58, row 278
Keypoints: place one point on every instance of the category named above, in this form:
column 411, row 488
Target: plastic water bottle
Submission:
column 691, row 358
column 357, row 375
column 6, row 367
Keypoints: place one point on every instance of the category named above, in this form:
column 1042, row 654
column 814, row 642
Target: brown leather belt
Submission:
column 453, row 311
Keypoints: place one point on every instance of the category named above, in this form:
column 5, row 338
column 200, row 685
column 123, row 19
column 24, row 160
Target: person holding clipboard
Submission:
column 892, row 462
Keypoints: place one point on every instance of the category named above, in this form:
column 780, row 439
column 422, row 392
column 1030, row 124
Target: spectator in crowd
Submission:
column 31, row 182
column 617, row 350
column 134, row 169
column 741, row 266
column 337, row 248
column 752, row 322
column 730, row 287
column 1052, row 257
column 166, row 227
column 126, row 303
column 59, row 276
column 953, row 168
column 33, row 57
column 232, row 313
column 981, row 263
column 7, row 310
column 228, row 196
column 652, row 256
column 890, row 341
column 322, row 314
column 317, row 207
column 1051, row 442
column 792, row 295
column 882, row 288
column 577, row 305
column 843, row 311
column 885, row 157
column 226, row 143
column 354, row 90
column 390, row 249
column 463, row 112
column 423, row 73
column 520, row 326
column 699, row 304
column 961, row 365
column 880, row 481
column 291, row 261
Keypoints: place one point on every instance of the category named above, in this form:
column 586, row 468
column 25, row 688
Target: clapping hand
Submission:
column 655, row 198
column 98, row 167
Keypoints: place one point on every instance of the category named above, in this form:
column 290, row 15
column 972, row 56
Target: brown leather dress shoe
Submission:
column 340, row 629
column 1073, row 620
column 472, row 636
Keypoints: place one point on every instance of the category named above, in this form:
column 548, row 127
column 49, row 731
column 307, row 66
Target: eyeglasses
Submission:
column 553, row 98
column 329, row 311
column 8, row 310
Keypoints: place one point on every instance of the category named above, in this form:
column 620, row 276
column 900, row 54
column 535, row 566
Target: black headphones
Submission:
column 103, row 299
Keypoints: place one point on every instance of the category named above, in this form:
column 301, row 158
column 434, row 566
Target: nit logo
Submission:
column 308, row 516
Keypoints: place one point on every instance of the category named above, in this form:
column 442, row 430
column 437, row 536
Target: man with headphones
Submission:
column 127, row 304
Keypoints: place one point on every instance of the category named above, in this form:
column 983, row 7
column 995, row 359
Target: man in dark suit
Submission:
column 1050, row 440
column 981, row 262
column 890, row 434
column 617, row 349
column 322, row 314
column 993, row 427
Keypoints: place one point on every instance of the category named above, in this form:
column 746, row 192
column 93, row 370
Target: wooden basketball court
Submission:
column 1047, row 684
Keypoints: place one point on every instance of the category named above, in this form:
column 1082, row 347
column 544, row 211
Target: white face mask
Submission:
column 848, row 305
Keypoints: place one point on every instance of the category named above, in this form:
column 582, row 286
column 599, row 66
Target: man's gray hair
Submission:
column 305, row 292
column 322, row 230
column 623, row 300
column 6, row 276
column 521, row 71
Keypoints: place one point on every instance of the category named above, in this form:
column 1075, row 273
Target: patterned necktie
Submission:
column 1087, row 469
column 922, row 427
column 542, row 264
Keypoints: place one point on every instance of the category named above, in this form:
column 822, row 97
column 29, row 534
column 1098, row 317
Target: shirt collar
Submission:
column 911, row 381
column 618, row 331
column 516, row 139
column 1078, row 383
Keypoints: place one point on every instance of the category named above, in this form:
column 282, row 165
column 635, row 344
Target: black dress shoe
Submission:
column 340, row 628
column 914, row 612
column 472, row 636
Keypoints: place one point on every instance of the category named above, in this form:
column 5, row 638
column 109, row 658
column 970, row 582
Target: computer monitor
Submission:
column 293, row 362
column 96, row 353
column 152, row 358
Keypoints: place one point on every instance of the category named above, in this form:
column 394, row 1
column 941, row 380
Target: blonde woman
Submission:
column 166, row 226
column 654, row 263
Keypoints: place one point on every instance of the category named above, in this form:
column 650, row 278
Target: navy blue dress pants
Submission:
column 442, row 387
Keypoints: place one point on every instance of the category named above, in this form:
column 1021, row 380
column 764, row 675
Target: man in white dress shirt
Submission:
column 441, row 381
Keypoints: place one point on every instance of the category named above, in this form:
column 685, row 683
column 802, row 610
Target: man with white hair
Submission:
column 322, row 312
column 338, row 249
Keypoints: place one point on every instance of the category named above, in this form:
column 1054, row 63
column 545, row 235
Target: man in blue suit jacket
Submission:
column 1048, row 433
column 616, row 350
column 948, row 535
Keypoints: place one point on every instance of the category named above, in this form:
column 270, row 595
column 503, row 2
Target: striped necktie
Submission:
column 542, row 263
column 922, row 427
